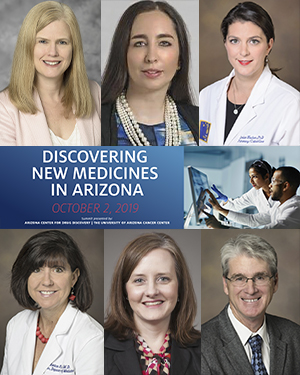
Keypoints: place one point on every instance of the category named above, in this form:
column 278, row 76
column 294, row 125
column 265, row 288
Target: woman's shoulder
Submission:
column 6, row 105
column 193, row 109
column 95, row 89
column 88, row 325
column 111, row 342
column 22, row 318
column 4, row 97
column 283, row 88
column 216, row 86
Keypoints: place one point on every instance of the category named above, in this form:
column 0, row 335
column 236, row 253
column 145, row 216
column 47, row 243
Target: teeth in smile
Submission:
column 52, row 62
column 250, row 300
column 45, row 292
column 153, row 303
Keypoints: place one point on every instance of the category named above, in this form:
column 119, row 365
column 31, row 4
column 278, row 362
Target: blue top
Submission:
column 156, row 134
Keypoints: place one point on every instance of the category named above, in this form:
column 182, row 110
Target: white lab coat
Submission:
column 253, row 197
column 281, row 216
column 271, row 116
column 75, row 346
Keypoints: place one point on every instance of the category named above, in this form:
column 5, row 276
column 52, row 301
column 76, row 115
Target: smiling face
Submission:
column 50, row 287
column 249, row 303
column 257, row 180
column 152, row 289
column 52, row 51
column 153, row 52
column 247, row 47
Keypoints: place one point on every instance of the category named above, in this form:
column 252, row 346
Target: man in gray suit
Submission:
column 243, row 339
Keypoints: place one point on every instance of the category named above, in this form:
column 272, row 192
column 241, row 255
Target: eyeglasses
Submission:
column 274, row 181
column 259, row 280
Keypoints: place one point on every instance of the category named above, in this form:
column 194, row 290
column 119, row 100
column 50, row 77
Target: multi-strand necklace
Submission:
column 135, row 133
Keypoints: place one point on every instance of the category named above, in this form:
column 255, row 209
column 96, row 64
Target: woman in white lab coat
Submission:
column 53, row 334
column 260, row 173
column 250, row 107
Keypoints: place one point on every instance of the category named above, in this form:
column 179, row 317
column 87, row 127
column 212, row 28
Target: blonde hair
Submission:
column 76, row 85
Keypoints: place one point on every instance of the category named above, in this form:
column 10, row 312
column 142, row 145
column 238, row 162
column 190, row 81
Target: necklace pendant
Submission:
column 235, row 111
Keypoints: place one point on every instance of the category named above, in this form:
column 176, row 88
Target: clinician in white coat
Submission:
column 284, row 214
column 260, row 173
column 251, row 106
column 54, row 334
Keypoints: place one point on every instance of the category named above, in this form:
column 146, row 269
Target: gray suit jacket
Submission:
column 222, row 352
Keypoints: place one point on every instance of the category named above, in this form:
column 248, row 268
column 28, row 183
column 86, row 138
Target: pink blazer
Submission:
column 23, row 129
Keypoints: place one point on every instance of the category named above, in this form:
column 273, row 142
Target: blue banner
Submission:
column 107, row 187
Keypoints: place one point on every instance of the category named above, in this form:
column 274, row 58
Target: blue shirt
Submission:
column 156, row 134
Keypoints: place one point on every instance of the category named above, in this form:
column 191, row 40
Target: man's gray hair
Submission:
column 251, row 246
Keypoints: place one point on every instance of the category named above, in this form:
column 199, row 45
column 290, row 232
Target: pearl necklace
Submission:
column 132, row 128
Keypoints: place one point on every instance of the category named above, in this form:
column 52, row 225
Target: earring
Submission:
column 72, row 296
column 267, row 59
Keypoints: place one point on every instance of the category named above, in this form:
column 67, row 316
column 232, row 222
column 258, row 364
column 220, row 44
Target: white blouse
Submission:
column 73, row 140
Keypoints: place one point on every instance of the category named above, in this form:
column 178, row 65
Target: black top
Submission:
column 121, row 358
column 231, row 117
column 109, row 130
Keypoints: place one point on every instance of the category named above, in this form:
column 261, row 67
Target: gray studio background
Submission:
column 90, row 242
column 213, row 64
column 286, row 301
column 12, row 14
column 189, row 242
column 111, row 12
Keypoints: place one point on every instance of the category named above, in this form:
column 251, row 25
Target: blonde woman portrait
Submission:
column 49, row 99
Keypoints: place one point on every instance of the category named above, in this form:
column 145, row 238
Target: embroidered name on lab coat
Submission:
column 204, row 130
column 60, row 369
column 251, row 139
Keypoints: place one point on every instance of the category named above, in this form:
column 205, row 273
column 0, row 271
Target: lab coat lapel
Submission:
column 37, row 124
column 249, row 112
column 29, row 344
column 53, row 349
column 219, row 128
